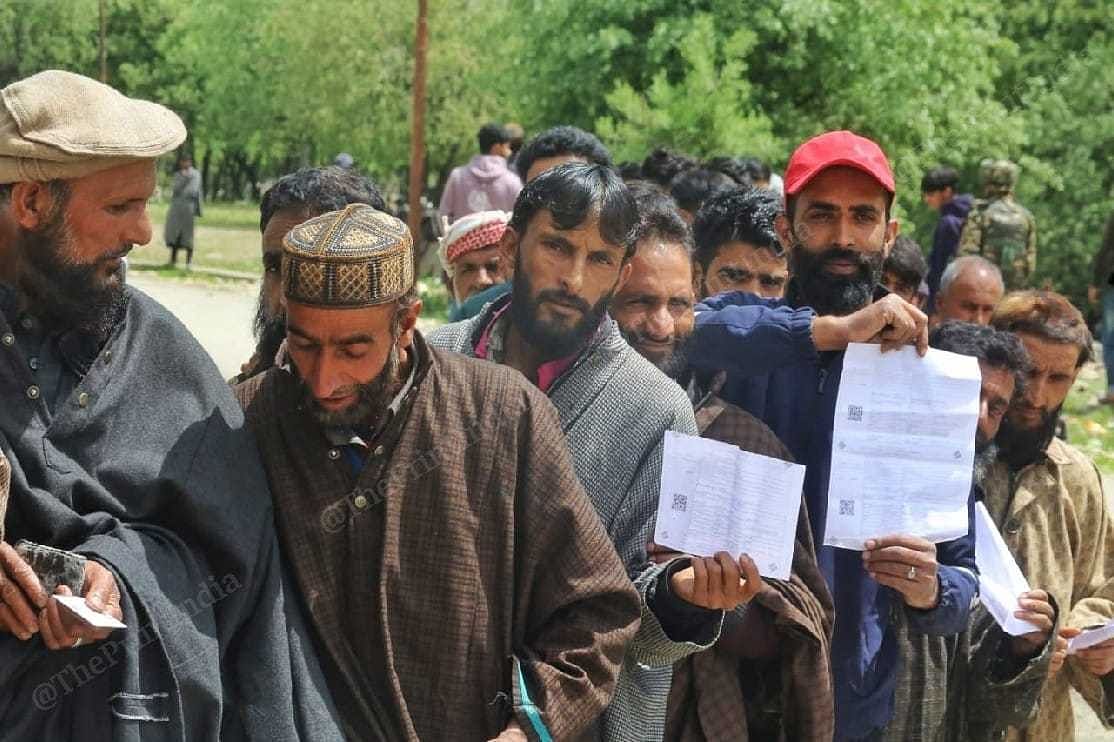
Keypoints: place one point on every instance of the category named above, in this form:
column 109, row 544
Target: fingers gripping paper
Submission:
column 716, row 497
column 903, row 445
column 1000, row 579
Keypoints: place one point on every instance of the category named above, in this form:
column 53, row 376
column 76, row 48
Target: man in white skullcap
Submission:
column 133, row 481
column 478, row 262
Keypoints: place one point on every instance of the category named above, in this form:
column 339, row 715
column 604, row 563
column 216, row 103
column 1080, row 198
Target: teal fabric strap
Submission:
column 530, row 709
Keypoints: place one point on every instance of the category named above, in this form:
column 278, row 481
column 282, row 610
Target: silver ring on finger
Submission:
column 77, row 643
column 912, row 576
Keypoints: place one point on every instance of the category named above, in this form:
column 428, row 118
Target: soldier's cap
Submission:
column 999, row 172
column 358, row 257
column 59, row 125
column 834, row 149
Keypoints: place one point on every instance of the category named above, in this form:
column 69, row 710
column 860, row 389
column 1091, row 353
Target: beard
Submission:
column 985, row 456
column 673, row 364
column 372, row 399
column 269, row 333
column 1019, row 447
column 68, row 295
column 828, row 294
column 553, row 339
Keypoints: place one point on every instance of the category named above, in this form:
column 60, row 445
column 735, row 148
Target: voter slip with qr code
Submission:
column 903, row 446
column 717, row 497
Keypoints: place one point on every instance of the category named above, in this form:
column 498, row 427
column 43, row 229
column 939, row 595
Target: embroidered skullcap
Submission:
column 58, row 125
column 468, row 233
column 358, row 257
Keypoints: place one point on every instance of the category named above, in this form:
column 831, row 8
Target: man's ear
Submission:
column 31, row 203
column 624, row 275
column 508, row 243
column 408, row 324
column 697, row 280
column 893, row 228
column 784, row 230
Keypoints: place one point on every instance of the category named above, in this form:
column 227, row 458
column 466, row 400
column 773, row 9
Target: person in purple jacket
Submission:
column 938, row 191
column 784, row 359
column 485, row 183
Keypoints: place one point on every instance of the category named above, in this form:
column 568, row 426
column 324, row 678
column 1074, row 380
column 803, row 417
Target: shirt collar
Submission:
column 490, row 346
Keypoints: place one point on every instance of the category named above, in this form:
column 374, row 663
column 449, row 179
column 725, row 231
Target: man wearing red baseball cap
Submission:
column 784, row 360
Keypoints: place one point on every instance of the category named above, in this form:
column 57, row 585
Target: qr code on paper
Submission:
column 680, row 501
column 846, row 507
column 855, row 413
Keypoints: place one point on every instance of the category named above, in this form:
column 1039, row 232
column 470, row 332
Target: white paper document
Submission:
column 97, row 619
column 903, row 445
column 1091, row 636
column 1000, row 579
column 716, row 497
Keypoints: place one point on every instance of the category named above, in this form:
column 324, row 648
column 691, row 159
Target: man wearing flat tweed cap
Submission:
column 129, row 456
column 458, row 580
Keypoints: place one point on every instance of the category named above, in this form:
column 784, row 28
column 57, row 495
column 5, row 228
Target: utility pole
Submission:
column 104, row 41
column 417, row 129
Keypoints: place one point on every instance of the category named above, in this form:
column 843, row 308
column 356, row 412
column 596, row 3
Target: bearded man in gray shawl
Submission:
column 572, row 233
column 132, row 475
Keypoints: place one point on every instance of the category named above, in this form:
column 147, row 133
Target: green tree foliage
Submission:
column 266, row 86
column 714, row 70
column 945, row 82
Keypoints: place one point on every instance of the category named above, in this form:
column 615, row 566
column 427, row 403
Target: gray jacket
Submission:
column 615, row 407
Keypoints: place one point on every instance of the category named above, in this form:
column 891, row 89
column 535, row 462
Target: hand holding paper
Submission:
column 903, row 446
column 82, row 610
column 1000, row 579
column 1094, row 649
column 717, row 498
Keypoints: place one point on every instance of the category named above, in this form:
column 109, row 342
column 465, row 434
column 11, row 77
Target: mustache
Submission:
column 834, row 253
column 561, row 297
column 634, row 335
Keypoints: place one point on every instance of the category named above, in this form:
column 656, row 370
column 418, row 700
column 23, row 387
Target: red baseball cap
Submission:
column 832, row 149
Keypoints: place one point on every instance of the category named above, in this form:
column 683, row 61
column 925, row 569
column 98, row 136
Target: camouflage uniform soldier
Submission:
column 999, row 228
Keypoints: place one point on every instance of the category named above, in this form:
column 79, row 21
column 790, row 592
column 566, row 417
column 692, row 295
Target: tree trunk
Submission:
column 103, row 40
column 417, row 131
column 206, row 179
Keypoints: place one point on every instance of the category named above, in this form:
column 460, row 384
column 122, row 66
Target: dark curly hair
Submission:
column 318, row 190
column 658, row 216
column 691, row 188
column 661, row 166
column 562, row 140
column 737, row 214
column 996, row 348
column 574, row 192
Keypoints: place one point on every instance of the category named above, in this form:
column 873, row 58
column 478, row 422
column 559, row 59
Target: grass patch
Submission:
column 230, row 214
column 226, row 248
column 1090, row 424
column 180, row 274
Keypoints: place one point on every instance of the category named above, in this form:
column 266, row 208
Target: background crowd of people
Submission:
column 377, row 533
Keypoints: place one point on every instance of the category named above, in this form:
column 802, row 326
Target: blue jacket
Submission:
column 945, row 239
column 776, row 374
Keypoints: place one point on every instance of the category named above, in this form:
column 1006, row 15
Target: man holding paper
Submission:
column 1046, row 497
column 784, row 361
column 996, row 669
column 767, row 676
column 573, row 236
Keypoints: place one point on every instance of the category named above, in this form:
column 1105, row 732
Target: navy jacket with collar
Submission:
column 776, row 374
